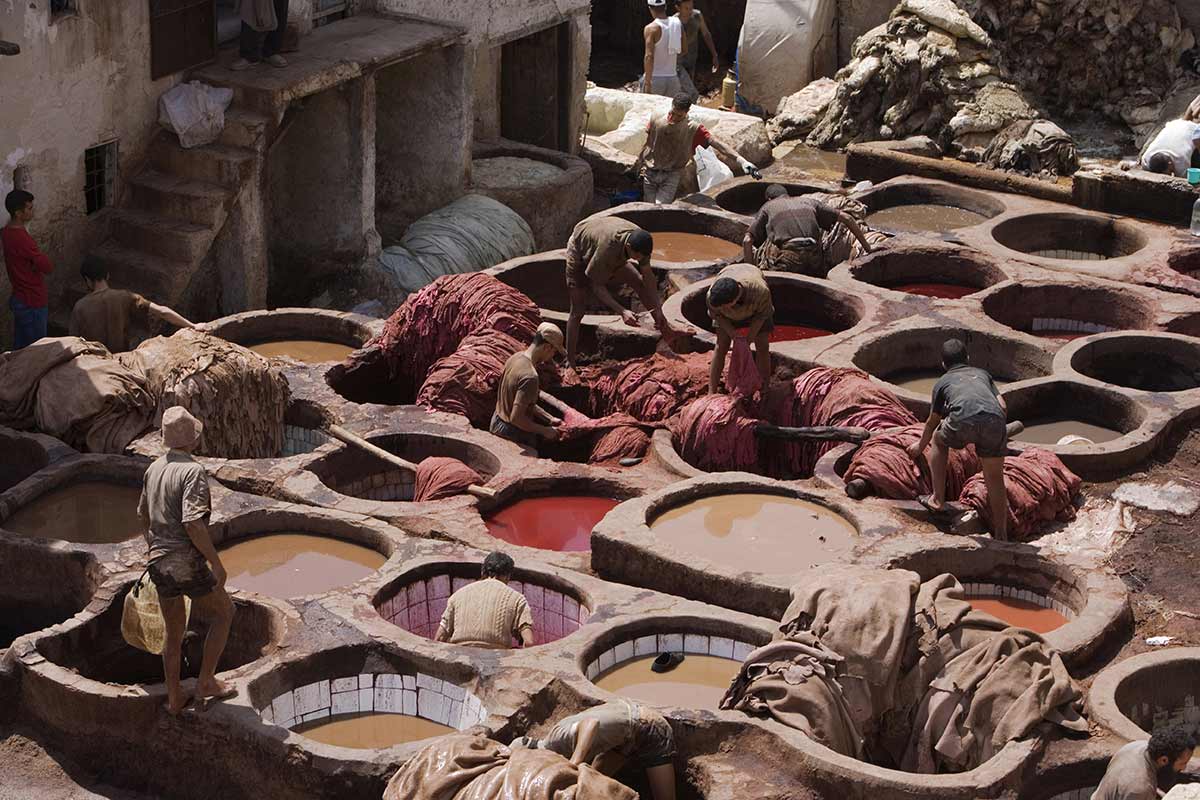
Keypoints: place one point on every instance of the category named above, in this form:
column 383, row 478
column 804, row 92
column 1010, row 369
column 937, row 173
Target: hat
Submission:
column 552, row 335
column 656, row 2
column 179, row 428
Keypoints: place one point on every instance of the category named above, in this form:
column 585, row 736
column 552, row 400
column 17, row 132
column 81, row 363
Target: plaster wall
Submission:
column 487, row 92
column 80, row 80
column 856, row 17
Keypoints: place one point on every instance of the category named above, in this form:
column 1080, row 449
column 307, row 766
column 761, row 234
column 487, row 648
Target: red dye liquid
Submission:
column 791, row 333
column 559, row 522
column 943, row 291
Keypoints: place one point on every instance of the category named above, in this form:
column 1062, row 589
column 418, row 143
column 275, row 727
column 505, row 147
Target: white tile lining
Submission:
column 418, row 695
column 1077, row 326
column 1029, row 596
column 297, row 440
column 1073, row 255
column 652, row 644
column 1150, row 718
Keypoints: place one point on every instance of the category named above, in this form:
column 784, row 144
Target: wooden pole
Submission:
column 357, row 441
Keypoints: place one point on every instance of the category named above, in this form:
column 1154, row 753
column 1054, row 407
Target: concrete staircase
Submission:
column 172, row 210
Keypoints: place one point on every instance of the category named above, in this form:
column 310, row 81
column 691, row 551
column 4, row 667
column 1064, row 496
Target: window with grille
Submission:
column 100, row 176
column 58, row 7
column 326, row 11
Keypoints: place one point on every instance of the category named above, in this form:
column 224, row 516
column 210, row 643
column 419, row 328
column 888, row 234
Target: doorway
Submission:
column 535, row 89
column 183, row 34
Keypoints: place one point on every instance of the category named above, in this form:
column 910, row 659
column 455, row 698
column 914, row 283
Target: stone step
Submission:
column 217, row 163
column 198, row 202
column 161, row 236
column 244, row 128
column 159, row 279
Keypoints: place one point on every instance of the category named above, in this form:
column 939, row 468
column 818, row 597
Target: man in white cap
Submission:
column 518, row 417
column 175, row 507
column 664, row 43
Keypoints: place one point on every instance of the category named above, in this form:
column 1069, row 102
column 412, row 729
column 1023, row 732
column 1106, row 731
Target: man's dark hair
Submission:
column 1161, row 163
column 954, row 352
column 723, row 291
column 682, row 102
column 641, row 241
column 498, row 565
column 16, row 200
column 775, row 191
column 1170, row 742
column 93, row 269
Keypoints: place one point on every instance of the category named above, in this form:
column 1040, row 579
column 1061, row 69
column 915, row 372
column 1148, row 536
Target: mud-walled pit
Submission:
column 1068, row 236
column 308, row 335
column 938, row 272
column 42, row 586
column 1151, row 362
column 23, row 456
column 90, row 501
column 1145, row 693
column 1061, row 312
column 687, row 238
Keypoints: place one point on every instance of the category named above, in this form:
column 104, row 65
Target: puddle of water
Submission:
column 822, row 164
column 297, row 564
column 554, row 522
column 1019, row 613
column 923, row 217
column 699, row 681
column 372, row 731
column 86, row 512
column 308, row 351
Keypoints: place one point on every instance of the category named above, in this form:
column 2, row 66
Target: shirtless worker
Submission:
column 174, row 508
column 966, row 409
column 518, row 417
column 605, row 736
column 1171, row 151
column 740, row 297
column 787, row 233
column 1137, row 769
column 603, row 251
column 103, row 315
column 671, row 141
column 488, row 613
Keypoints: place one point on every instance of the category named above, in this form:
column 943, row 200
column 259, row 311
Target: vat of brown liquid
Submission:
column 1051, row 431
column 923, row 218
column 309, row 351
column 683, row 248
column 296, row 564
column 1019, row 613
column 85, row 512
column 371, row 731
column 757, row 532
column 699, row 681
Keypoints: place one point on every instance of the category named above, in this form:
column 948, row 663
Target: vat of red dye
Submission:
column 550, row 522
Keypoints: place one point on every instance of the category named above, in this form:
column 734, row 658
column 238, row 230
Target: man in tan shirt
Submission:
column 518, row 417
column 104, row 314
column 740, row 297
column 487, row 613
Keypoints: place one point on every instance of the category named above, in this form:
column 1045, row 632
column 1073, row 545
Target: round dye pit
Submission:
column 747, row 196
column 924, row 218
column 941, row 291
column 699, row 681
column 686, row 236
column 85, row 512
column 682, row 248
column 1145, row 693
column 1067, row 432
column 792, row 333
column 934, row 270
column 1149, row 362
column 23, row 456
column 309, row 351
column 927, row 207
column 1067, row 311
column 1058, row 409
column 42, row 587
column 1020, row 613
column 296, row 564
column 372, row 731
column 555, row 522
column 756, row 531
column 1067, row 236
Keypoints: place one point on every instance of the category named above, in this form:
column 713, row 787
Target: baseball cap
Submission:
column 552, row 335
column 179, row 428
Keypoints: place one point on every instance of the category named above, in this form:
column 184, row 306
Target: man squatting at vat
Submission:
column 671, row 141
column 174, row 508
column 787, row 232
column 966, row 409
column 605, row 736
column 104, row 314
column 1138, row 769
column 740, row 297
column 25, row 265
column 488, row 613
column 518, row 417
column 603, row 251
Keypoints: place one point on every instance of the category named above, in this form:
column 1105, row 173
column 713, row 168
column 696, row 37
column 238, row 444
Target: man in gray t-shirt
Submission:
column 966, row 409
column 1135, row 770
column 174, row 507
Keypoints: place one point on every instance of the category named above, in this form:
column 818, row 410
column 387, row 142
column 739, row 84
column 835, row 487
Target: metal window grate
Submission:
column 63, row 7
column 100, row 176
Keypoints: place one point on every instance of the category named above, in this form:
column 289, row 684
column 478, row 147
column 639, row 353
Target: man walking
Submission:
column 694, row 26
column 787, row 234
column 104, row 314
column 488, row 613
column 664, row 41
column 25, row 265
column 174, row 508
column 263, row 25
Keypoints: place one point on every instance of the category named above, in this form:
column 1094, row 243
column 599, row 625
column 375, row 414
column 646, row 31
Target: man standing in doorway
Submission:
column 25, row 265
column 664, row 42
column 671, row 141
column 694, row 26
column 263, row 24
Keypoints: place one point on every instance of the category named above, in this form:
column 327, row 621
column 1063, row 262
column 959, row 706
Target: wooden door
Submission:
column 183, row 34
column 533, row 88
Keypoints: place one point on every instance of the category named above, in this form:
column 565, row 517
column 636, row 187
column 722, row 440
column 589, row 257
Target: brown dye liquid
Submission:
column 683, row 247
column 296, row 564
column 757, row 532
column 88, row 512
column 698, row 682
column 1050, row 431
column 372, row 731
column 1019, row 613
column 929, row 217
column 308, row 351
column 922, row 381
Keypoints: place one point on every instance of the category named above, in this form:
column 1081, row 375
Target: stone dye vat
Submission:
column 930, row 269
column 551, row 522
column 1067, row 311
column 42, row 587
column 923, row 218
column 1017, row 612
column 309, row 351
column 1142, row 694
column 922, row 206
column 698, row 681
column 296, row 564
column 25, row 454
column 686, row 237
column 1055, row 412
column 1068, row 236
column 307, row 335
column 83, row 511
column 1151, row 362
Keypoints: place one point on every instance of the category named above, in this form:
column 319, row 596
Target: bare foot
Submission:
column 215, row 690
column 176, row 709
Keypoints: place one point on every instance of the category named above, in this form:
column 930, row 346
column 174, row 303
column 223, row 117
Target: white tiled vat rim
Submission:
column 1071, row 255
column 655, row 643
column 1029, row 596
column 389, row 486
column 1071, row 325
column 1150, row 717
column 415, row 695
column 299, row 440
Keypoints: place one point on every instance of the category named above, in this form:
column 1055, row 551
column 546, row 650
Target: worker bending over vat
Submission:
column 488, row 613
column 740, row 297
column 518, row 417
column 787, row 233
column 606, row 736
column 966, row 409
column 104, row 314
column 1139, row 769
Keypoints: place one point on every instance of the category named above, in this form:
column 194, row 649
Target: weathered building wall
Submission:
column 856, row 17
column 79, row 81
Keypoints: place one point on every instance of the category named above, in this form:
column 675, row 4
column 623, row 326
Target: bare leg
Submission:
column 662, row 781
column 646, row 286
column 579, row 299
column 174, row 621
column 993, row 478
column 218, row 608
column 716, row 367
column 939, row 455
column 762, row 356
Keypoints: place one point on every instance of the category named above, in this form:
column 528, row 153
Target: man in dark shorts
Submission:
column 518, row 417
column 738, row 298
column 966, row 409
column 608, row 250
column 787, row 234
column 175, row 507
column 605, row 736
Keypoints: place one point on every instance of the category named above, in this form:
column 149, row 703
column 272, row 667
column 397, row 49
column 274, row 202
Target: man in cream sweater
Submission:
column 487, row 613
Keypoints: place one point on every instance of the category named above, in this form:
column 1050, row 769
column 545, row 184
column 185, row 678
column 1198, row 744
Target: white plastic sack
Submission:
column 142, row 623
column 710, row 170
column 784, row 46
column 195, row 112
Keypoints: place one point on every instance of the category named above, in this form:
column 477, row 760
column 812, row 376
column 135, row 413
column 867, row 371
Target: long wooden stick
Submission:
column 824, row 433
column 357, row 441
